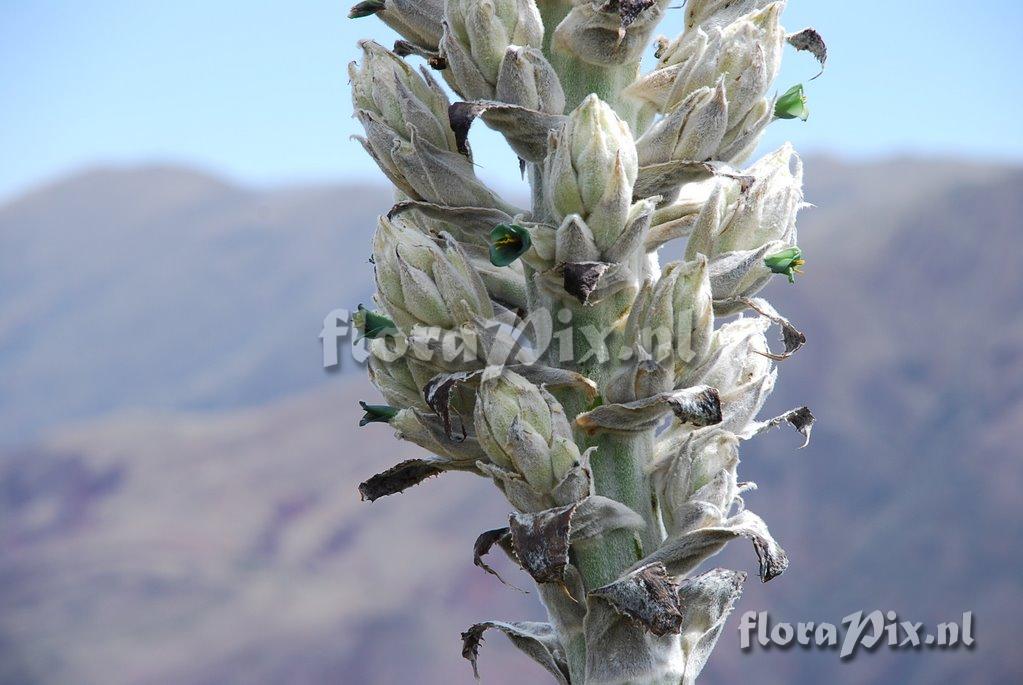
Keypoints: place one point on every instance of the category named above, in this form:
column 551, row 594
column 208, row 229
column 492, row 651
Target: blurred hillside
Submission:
column 169, row 289
column 181, row 540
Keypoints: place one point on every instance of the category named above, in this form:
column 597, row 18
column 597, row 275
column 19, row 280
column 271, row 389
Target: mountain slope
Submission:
column 166, row 288
column 231, row 547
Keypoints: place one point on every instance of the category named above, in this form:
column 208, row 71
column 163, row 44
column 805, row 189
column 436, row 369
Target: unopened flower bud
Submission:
column 746, row 54
column 691, row 132
column 742, row 58
column 702, row 473
column 528, row 80
column 574, row 242
column 637, row 379
column 424, row 171
column 709, row 14
column 732, row 220
column 522, row 428
column 477, row 34
column 736, row 355
column 388, row 87
column 394, row 378
column 739, row 369
column 679, row 319
column 422, row 283
column 608, row 34
column 591, row 169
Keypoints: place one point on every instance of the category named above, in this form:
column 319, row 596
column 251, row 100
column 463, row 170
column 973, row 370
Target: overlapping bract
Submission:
column 657, row 160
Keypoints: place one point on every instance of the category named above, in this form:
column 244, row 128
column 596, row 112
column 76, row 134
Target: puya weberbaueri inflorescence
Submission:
column 601, row 354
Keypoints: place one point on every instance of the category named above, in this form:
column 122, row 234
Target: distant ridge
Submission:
column 228, row 545
column 170, row 288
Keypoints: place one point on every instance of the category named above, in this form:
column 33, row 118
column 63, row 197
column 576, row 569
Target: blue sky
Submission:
column 257, row 90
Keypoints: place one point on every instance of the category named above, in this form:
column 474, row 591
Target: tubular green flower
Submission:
column 787, row 262
column 792, row 105
column 376, row 413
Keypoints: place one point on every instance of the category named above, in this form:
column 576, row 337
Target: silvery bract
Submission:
column 523, row 429
column 711, row 83
column 590, row 169
column 608, row 33
column 388, row 89
column 421, row 282
column 602, row 390
column 477, row 35
column 527, row 79
column 418, row 21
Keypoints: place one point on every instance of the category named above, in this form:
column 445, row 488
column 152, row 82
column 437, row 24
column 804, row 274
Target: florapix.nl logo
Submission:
column 867, row 630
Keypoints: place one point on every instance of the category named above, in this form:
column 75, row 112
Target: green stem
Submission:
column 579, row 78
column 618, row 462
column 576, row 648
column 617, row 465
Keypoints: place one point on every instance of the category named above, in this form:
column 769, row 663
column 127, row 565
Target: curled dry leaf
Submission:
column 582, row 279
column 791, row 337
column 648, row 595
column 628, row 10
column 437, row 394
column 539, row 641
column 398, row 478
column 541, row 542
column 526, row 130
column 544, row 537
column 801, row 418
column 683, row 553
column 699, row 406
column 811, row 41
column 485, row 542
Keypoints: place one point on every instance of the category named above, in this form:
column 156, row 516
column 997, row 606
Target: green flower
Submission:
column 508, row 242
column 792, row 104
column 786, row 262
column 377, row 413
column 372, row 325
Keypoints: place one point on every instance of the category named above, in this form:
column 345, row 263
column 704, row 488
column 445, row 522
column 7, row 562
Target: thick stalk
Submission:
column 617, row 464
column 619, row 460
column 579, row 78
